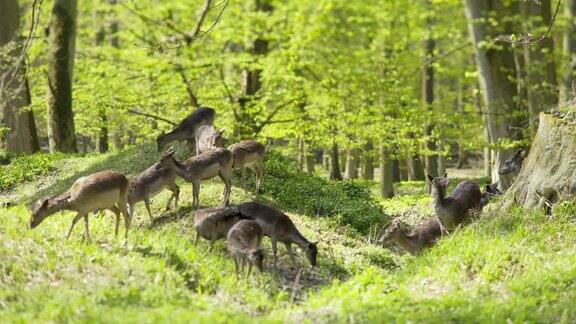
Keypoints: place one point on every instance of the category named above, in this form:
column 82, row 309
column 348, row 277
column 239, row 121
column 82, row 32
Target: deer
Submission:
column 95, row 192
column 149, row 183
column 423, row 236
column 244, row 242
column 511, row 167
column 454, row 210
column 215, row 162
column 207, row 137
column 249, row 154
column 185, row 130
column 214, row 223
column 490, row 191
column 279, row 228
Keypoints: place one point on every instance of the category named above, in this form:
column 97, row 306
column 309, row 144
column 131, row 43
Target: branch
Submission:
column 273, row 113
column 136, row 112
column 193, row 99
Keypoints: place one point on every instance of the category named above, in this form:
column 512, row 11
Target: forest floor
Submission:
column 517, row 265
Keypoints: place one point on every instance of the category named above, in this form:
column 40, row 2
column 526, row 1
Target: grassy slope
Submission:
column 519, row 266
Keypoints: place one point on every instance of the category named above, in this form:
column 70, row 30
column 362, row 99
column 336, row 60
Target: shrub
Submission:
column 26, row 168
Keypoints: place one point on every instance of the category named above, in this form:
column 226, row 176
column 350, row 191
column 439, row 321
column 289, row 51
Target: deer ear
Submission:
column 522, row 154
column 445, row 175
column 431, row 178
column 44, row 203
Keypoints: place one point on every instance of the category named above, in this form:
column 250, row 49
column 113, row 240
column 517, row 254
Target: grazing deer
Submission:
column 216, row 162
column 511, row 167
column 490, row 191
column 98, row 191
column 214, row 223
column 279, row 228
column 185, row 130
column 454, row 210
column 207, row 137
column 249, row 154
column 422, row 237
column 245, row 245
column 149, row 183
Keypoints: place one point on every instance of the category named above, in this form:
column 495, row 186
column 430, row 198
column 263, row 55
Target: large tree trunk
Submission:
column 368, row 169
column 20, row 136
column 334, row 168
column 495, row 76
column 430, row 158
column 548, row 174
column 62, row 34
column 568, row 86
column 386, row 182
column 352, row 161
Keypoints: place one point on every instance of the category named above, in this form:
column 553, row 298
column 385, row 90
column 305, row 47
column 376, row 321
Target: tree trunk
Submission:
column 368, row 169
column 441, row 159
column 102, row 138
column 334, row 168
column 415, row 169
column 310, row 159
column 548, row 172
column 496, row 79
column 462, row 154
column 301, row 154
column 430, row 157
column 403, row 167
column 20, row 136
column 386, row 182
column 568, row 86
column 396, row 177
column 326, row 159
column 62, row 34
column 352, row 161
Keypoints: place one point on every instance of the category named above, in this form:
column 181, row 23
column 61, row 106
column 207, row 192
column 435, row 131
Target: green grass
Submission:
column 518, row 266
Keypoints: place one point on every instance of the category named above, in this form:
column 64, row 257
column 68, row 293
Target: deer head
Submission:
column 440, row 183
column 312, row 252
column 392, row 232
column 514, row 164
column 40, row 210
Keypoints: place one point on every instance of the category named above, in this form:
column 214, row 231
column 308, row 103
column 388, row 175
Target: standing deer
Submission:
column 455, row 209
column 511, row 168
column 149, row 183
column 490, row 191
column 216, row 162
column 207, row 137
column 279, row 228
column 245, row 245
column 99, row 191
column 422, row 237
column 185, row 130
column 214, row 223
column 249, row 154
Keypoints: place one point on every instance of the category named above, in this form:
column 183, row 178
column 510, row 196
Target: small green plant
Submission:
column 27, row 167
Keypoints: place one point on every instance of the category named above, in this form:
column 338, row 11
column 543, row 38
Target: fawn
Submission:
column 149, row 183
column 511, row 167
column 184, row 131
column 207, row 137
column 98, row 191
column 279, row 228
column 249, row 154
column 423, row 236
column 490, row 191
column 454, row 210
column 244, row 242
column 214, row 223
column 215, row 162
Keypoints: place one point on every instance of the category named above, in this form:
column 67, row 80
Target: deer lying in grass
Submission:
column 279, row 228
column 214, row 223
column 207, row 137
column 489, row 192
column 422, row 237
column 511, row 167
column 245, row 245
column 149, row 183
column 99, row 191
column 249, row 154
column 184, row 131
column 455, row 209
column 215, row 162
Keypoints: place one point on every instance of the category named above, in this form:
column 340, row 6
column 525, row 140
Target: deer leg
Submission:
column 249, row 269
column 243, row 175
column 116, row 212
column 274, row 250
column 74, row 221
column 175, row 194
column 259, row 173
column 227, row 187
column 147, row 204
column 127, row 218
column 87, row 229
column 291, row 253
column 236, row 266
column 195, row 194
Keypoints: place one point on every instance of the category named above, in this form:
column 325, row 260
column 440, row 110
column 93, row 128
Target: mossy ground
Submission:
column 516, row 265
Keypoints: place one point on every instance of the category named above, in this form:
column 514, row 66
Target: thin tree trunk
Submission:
column 430, row 158
column 386, row 181
column 310, row 159
column 352, row 161
column 301, row 154
column 568, row 86
column 334, row 168
column 326, row 159
column 21, row 136
column 441, row 158
column 368, row 169
column 496, row 80
column 62, row 34
column 396, row 177
column 462, row 154
column 403, row 167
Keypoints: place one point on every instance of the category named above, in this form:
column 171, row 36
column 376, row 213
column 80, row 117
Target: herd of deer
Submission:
column 242, row 225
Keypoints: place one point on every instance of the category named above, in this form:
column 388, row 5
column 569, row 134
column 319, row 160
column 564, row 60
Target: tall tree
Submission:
column 568, row 86
column 386, row 181
column 430, row 158
column 334, row 165
column 19, row 134
column 496, row 78
column 62, row 35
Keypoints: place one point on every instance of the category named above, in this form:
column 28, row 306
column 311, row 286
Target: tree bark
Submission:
column 430, row 157
column 334, row 168
column 415, row 169
column 396, row 176
column 386, row 181
column 568, row 86
column 352, row 161
column 326, row 159
column 20, row 136
column 441, row 158
column 310, row 159
column 496, row 80
column 62, row 34
column 368, row 169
